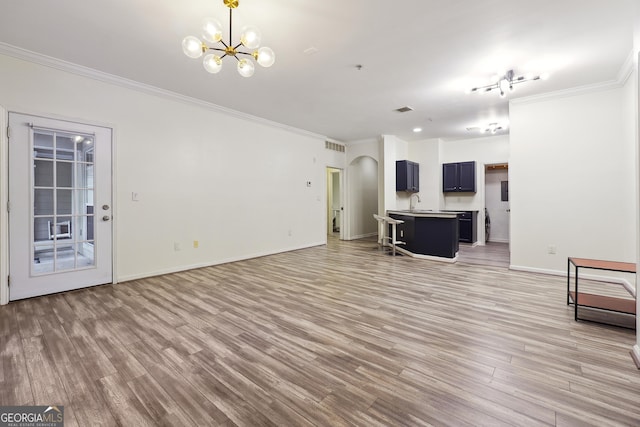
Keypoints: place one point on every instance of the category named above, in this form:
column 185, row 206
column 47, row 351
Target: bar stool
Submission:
column 393, row 222
column 382, row 225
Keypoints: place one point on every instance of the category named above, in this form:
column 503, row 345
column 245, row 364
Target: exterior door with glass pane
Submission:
column 60, row 218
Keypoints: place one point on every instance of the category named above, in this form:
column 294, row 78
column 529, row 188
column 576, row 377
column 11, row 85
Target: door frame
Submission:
column 4, row 192
column 4, row 200
column 506, row 167
column 342, row 199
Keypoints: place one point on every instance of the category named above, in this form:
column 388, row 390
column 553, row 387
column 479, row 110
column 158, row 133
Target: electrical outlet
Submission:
column 196, row 244
column 176, row 247
column 551, row 249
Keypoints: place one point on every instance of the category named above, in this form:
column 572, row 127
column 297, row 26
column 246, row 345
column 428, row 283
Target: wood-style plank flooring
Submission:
column 492, row 253
column 328, row 336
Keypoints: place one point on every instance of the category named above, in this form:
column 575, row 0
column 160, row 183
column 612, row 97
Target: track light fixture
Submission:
column 506, row 82
column 193, row 47
column 492, row 127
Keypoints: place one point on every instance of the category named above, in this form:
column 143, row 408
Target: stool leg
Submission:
column 393, row 238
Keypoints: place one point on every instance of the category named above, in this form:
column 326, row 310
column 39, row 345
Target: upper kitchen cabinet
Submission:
column 407, row 176
column 459, row 177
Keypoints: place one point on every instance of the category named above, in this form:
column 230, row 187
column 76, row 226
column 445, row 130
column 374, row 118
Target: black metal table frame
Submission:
column 575, row 302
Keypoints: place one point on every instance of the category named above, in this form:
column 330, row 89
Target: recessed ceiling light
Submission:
column 416, row 130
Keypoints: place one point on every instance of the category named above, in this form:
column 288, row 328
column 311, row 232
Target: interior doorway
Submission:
column 495, row 251
column 497, row 202
column 335, row 209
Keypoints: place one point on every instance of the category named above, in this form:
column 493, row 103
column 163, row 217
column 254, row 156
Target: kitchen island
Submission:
column 428, row 234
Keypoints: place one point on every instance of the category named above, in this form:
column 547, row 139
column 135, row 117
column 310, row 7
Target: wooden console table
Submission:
column 601, row 302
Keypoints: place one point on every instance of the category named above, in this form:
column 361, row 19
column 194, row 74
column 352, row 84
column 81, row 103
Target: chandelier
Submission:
column 193, row 47
column 506, row 82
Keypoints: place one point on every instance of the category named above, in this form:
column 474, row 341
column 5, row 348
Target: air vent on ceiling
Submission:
column 403, row 109
column 333, row 146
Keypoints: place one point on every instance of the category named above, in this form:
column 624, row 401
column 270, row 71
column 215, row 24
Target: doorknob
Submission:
column 106, row 218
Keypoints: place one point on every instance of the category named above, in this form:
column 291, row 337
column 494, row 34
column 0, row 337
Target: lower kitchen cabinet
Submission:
column 428, row 235
column 468, row 226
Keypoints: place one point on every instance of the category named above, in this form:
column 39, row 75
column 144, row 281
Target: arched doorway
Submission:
column 363, row 197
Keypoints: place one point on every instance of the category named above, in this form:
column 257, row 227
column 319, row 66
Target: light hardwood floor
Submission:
column 327, row 336
column 492, row 253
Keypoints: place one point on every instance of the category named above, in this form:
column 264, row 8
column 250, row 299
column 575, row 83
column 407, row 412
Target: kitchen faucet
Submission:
column 411, row 207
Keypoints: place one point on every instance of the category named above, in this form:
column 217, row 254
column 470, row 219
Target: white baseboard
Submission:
column 598, row 278
column 178, row 269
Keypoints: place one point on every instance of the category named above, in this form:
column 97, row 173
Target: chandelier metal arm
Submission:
column 230, row 28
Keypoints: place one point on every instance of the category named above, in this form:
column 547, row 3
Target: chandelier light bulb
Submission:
column 250, row 37
column 265, row 56
column 212, row 63
column 211, row 30
column 192, row 47
column 246, row 68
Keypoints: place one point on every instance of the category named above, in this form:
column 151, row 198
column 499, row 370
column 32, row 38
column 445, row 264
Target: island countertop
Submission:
column 426, row 213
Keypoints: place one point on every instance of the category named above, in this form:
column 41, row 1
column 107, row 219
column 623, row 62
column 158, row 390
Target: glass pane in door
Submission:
column 62, row 184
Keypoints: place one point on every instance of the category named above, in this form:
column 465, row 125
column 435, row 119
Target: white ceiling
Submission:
column 420, row 53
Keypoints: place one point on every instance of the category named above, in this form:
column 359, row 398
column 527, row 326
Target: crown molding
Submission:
column 627, row 68
column 566, row 93
column 625, row 72
column 69, row 67
column 373, row 140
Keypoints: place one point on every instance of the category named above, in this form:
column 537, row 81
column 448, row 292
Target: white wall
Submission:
column 484, row 150
column 572, row 178
column 238, row 186
column 393, row 149
column 432, row 153
column 427, row 154
column 636, row 61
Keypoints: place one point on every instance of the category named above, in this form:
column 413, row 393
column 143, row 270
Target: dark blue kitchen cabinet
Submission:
column 459, row 177
column 407, row 176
